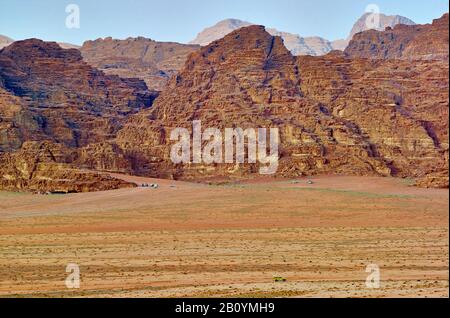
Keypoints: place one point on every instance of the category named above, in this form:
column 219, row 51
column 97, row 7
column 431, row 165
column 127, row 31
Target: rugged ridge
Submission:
column 154, row 62
column 48, row 94
column 335, row 115
column 400, row 108
column 385, row 21
column 295, row 43
column 409, row 42
column 5, row 41
column 43, row 167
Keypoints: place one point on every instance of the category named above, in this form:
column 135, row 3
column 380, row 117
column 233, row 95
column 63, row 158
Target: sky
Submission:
column 181, row 20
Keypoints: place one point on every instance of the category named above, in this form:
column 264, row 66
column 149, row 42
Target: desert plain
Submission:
column 229, row 240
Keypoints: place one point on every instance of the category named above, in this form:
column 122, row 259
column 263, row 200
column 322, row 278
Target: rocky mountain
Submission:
column 385, row 21
column 315, row 46
column 154, row 62
column 366, row 22
column 295, row 43
column 335, row 115
column 58, row 95
column 340, row 44
column 42, row 167
column 50, row 94
column 401, row 108
column 5, row 41
column 68, row 45
column 412, row 42
column 218, row 31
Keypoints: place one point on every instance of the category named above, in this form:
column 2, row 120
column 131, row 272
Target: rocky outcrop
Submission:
column 43, row 167
column 54, row 108
column 154, row 62
column 411, row 42
column 105, row 156
column 314, row 46
column 298, row 45
column 439, row 180
column 67, row 46
column 48, row 93
column 335, row 115
column 371, row 21
column 218, row 31
column 5, row 41
column 379, row 22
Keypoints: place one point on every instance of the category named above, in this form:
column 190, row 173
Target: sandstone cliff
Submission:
column 298, row 45
column 409, row 42
column 49, row 93
column 400, row 108
column 335, row 115
column 366, row 22
column 43, row 167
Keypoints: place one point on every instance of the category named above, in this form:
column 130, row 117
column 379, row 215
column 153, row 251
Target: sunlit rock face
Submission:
column 152, row 61
column 47, row 92
column 335, row 115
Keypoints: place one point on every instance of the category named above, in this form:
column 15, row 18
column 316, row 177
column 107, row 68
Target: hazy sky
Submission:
column 181, row 20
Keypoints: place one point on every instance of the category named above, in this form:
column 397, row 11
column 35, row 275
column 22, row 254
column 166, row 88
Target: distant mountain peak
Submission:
column 5, row 41
column 152, row 61
column 297, row 44
column 412, row 42
column 218, row 31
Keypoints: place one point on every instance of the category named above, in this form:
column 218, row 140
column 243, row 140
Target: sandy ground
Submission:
column 231, row 240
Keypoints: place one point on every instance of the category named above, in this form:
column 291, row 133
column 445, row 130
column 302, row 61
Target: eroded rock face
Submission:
column 48, row 93
column 411, row 42
column 43, row 167
column 298, row 45
column 154, row 62
column 335, row 115
column 104, row 156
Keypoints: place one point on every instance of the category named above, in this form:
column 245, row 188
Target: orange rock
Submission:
column 410, row 42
